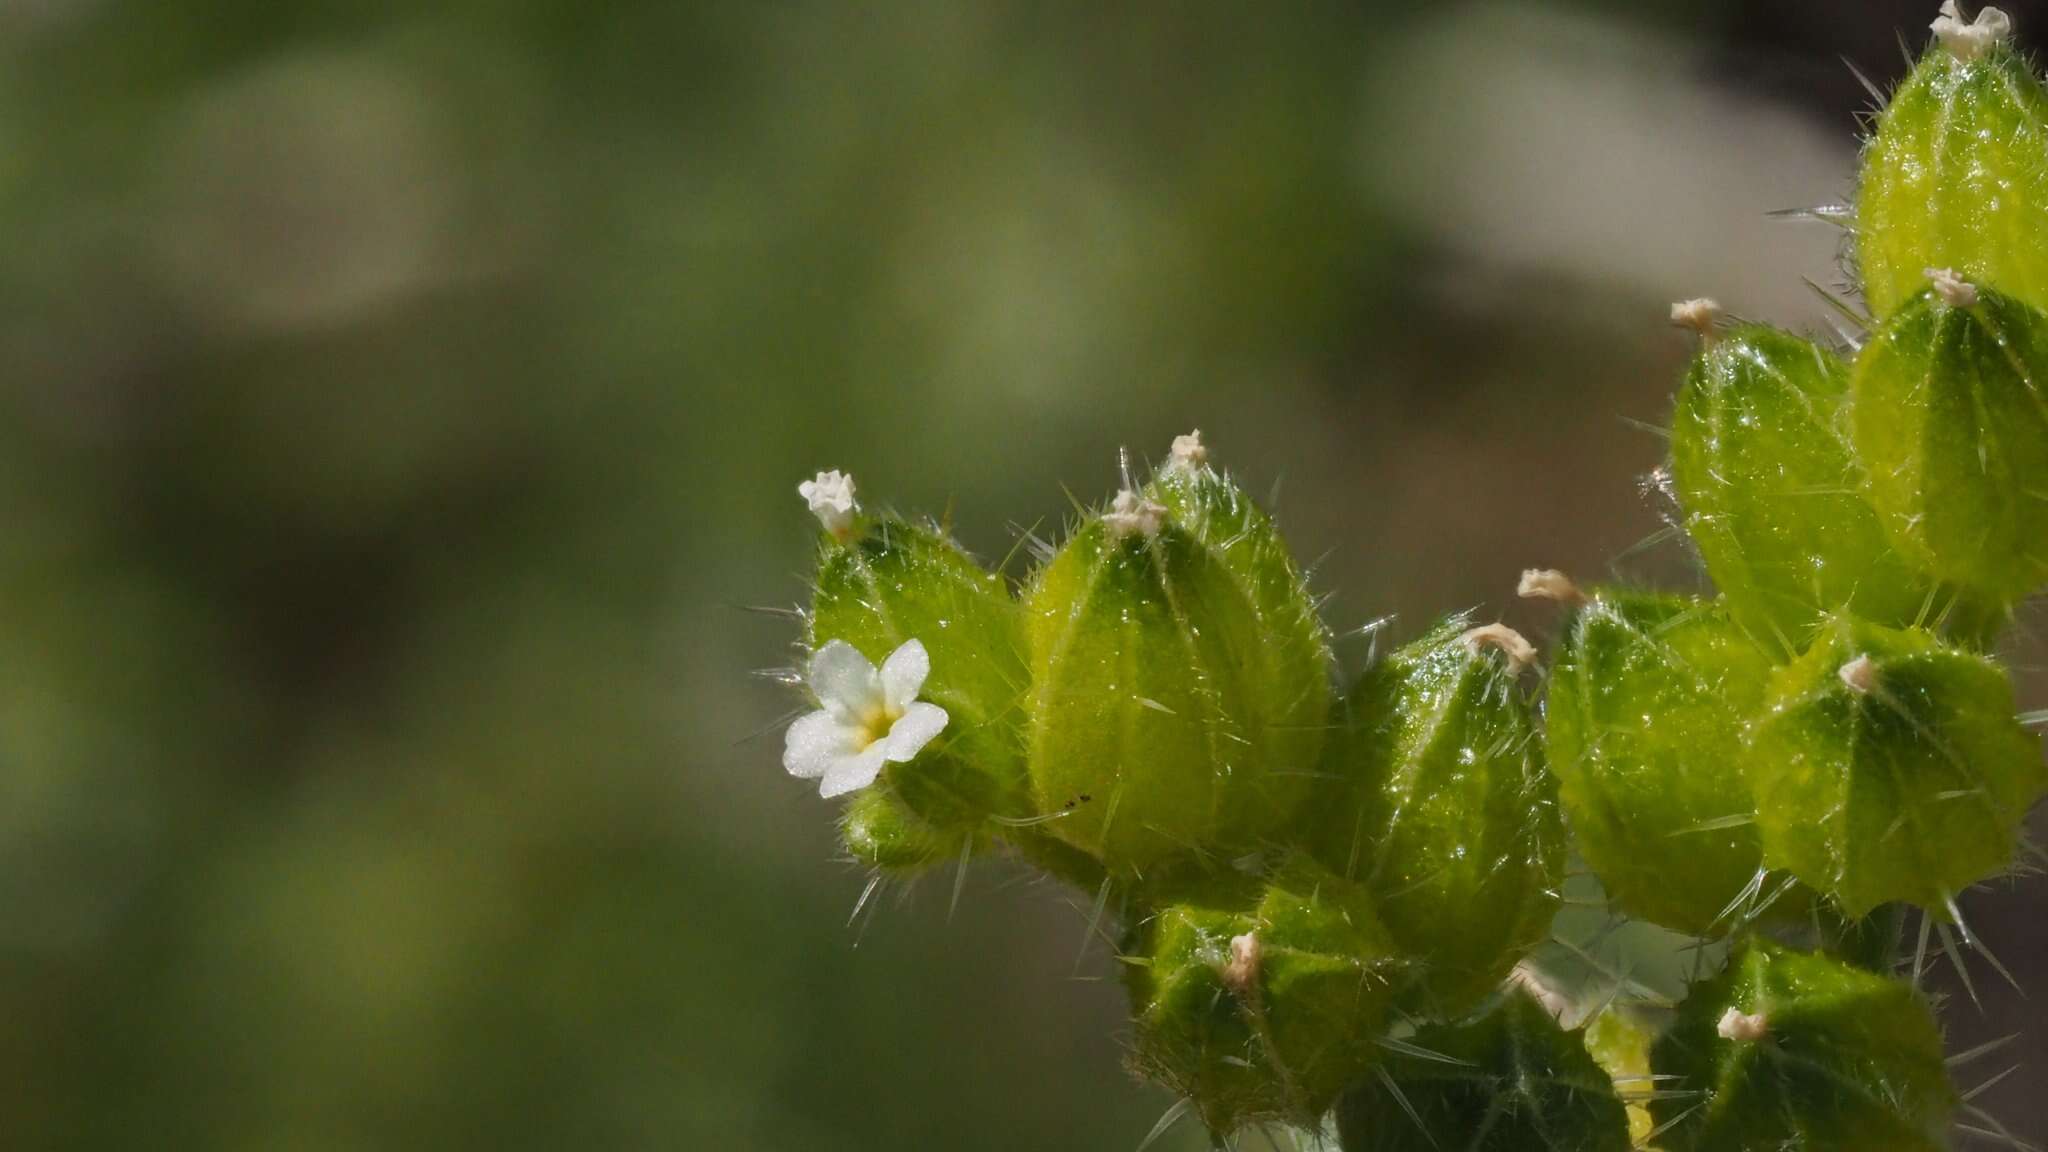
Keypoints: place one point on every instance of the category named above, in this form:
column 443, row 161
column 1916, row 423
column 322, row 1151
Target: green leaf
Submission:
column 1434, row 794
column 1892, row 767
column 1648, row 715
column 1514, row 1081
column 1950, row 415
column 1956, row 176
column 1844, row 1059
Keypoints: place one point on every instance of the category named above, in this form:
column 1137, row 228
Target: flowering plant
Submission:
column 1328, row 896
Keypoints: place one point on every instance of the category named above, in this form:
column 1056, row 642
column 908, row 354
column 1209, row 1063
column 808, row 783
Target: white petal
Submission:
column 815, row 741
column 913, row 730
column 903, row 673
column 853, row 773
column 844, row 680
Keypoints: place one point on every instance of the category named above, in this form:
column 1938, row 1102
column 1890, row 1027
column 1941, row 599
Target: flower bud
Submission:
column 881, row 833
column 1891, row 767
column 1789, row 1050
column 1648, row 712
column 1513, row 1081
column 1957, row 175
column 1772, row 495
column 1951, row 420
column 1268, row 1012
column 1179, row 678
column 898, row 582
column 1434, row 795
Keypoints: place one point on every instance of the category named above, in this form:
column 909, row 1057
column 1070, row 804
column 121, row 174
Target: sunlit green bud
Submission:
column 1649, row 707
column 1892, row 767
column 1267, row 1012
column 1789, row 1050
column 1951, row 420
column 881, row 833
column 1513, row 1081
column 1209, row 506
column 1957, row 173
column 1772, row 495
column 1177, row 699
column 891, row 582
column 1434, row 795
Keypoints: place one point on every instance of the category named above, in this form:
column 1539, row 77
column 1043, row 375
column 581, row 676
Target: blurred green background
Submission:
column 404, row 402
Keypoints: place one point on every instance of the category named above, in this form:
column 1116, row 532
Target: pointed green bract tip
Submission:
column 1434, row 795
column 1266, row 1012
column 1179, row 680
column 1650, row 704
column 1956, row 176
column 1773, row 496
column 1620, row 1043
column 897, row 582
column 1787, row 1050
column 1514, row 1081
column 1891, row 767
column 1948, row 412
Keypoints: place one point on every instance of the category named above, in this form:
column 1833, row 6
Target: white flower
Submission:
column 831, row 499
column 1970, row 39
column 1954, row 291
column 869, row 717
column 1700, row 315
column 1743, row 1027
column 1859, row 675
column 1520, row 652
column 1132, row 515
column 1188, row 454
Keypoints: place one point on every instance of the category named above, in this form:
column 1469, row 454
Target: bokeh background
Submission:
column 401, row 405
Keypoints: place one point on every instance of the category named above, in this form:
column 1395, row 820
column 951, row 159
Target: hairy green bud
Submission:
column 1179, row 684
column 894, row 582
column 1772, row 495
column 1269, row 1012
column 1789, row 1050
column 1435, row 796
column 1514, row 1081
column 1950, row 414
column 881, row 833
column 1956, row 175
column 1647, row 718
column 1891, row 767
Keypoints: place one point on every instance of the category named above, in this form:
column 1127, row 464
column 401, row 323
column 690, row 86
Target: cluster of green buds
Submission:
column 1328, row 894
column 1301, row 874
column 1826, row 744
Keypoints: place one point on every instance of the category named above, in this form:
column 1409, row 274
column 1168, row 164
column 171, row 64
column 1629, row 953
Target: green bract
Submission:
column 1786, row 1050
column 1512, row 1082
column 1265, row 1012
column 896, row 582
column 1620, row 1043
column 1435, row 796
column 1773, row 498
column 1957, row 177
column 1179, row 682
column 1950, row 414
column 1891, row 767
column 1648, row 715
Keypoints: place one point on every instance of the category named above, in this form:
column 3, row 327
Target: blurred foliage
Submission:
column 401, row 400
